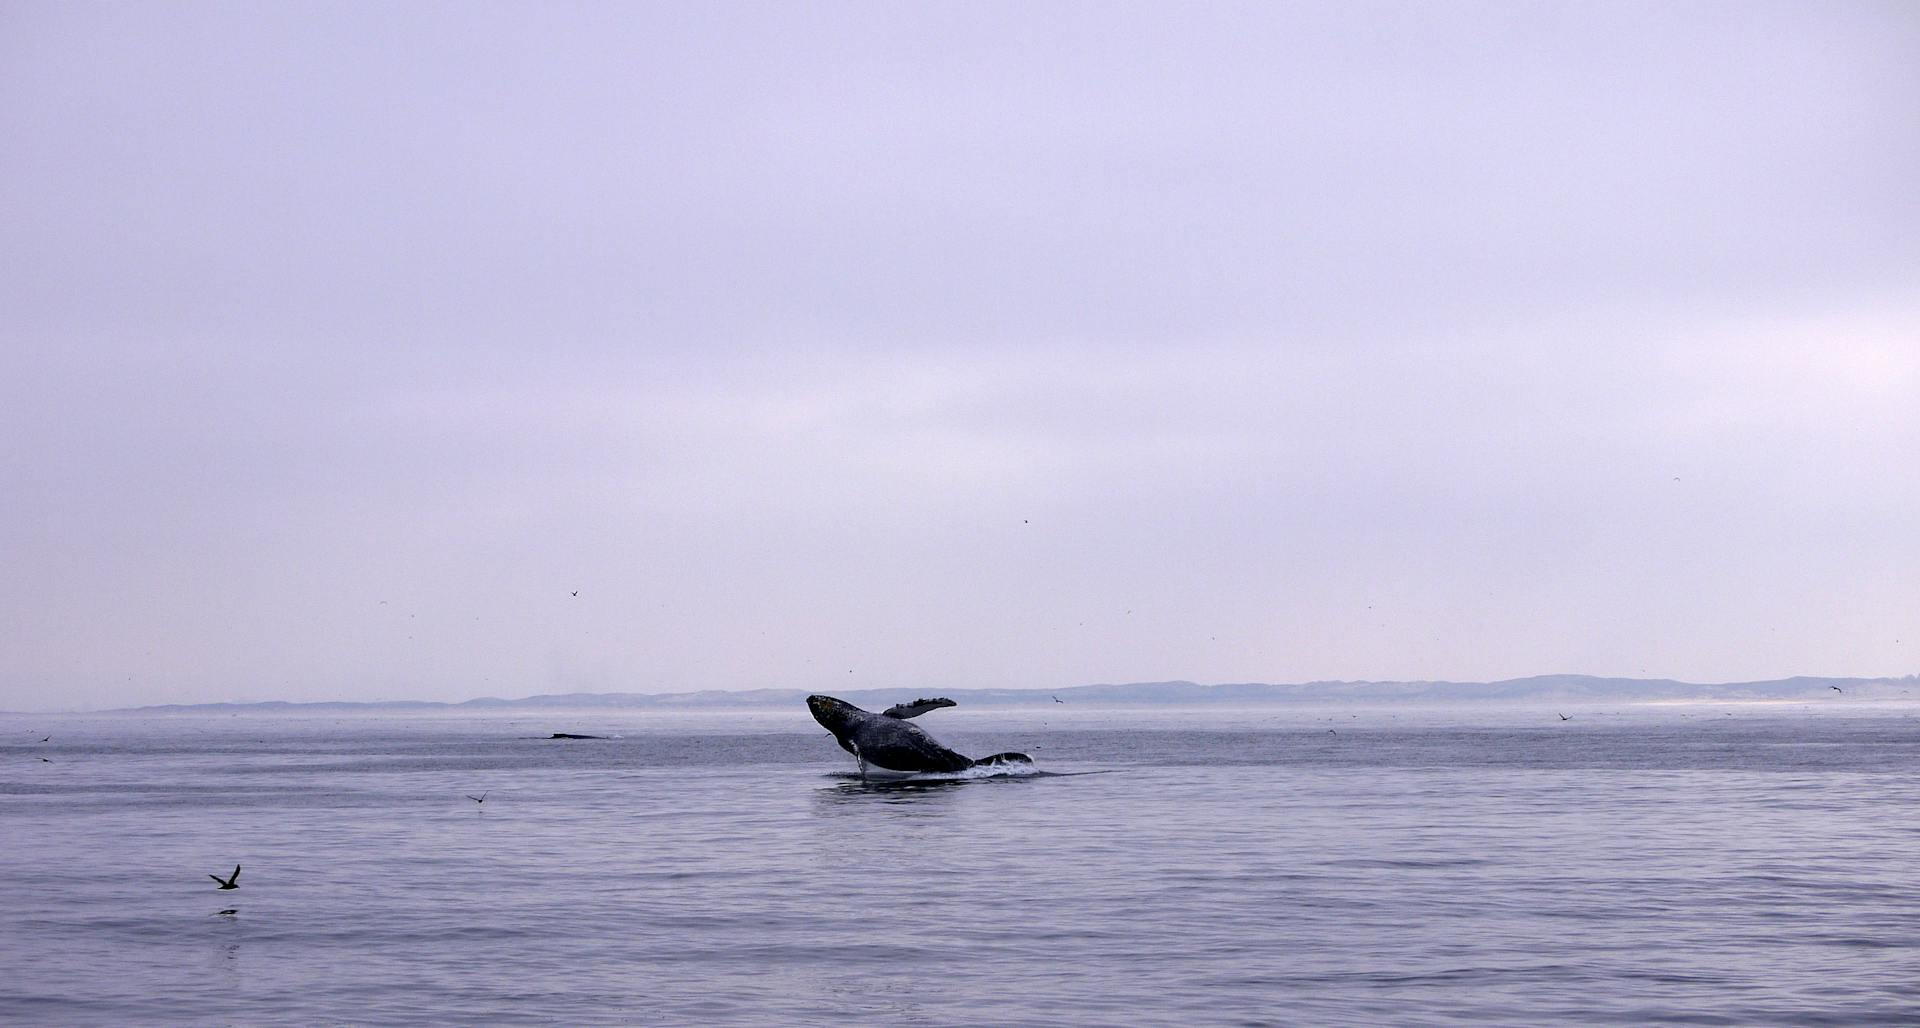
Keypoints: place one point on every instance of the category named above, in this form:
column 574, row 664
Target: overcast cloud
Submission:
column 854, row 345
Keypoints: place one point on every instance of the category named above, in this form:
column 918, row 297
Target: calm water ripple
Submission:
column 1653, row 865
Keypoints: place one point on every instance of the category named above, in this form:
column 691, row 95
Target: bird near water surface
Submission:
column 231, row 881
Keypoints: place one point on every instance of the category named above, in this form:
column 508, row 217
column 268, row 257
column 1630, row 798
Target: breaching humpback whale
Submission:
column 886, row 741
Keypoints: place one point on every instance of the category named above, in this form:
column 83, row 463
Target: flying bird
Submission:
column 1057, row 699
column 230, row 882
column 482, row 798
column 1566, row 717
column 1836, row 688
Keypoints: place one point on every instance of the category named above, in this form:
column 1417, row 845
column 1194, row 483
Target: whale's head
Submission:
column 836, row 716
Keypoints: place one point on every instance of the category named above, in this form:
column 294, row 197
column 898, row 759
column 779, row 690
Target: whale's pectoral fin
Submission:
column 1004, row 758
column 918, row 707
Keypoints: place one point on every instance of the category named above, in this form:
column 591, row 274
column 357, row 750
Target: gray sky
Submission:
column 854, row 345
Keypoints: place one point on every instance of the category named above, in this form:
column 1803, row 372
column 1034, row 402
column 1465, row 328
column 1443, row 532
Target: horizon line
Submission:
column 974, row 690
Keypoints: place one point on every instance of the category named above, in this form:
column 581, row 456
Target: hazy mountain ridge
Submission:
column 1542, row 688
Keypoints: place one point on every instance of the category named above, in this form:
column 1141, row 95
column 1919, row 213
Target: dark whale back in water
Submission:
column 887, row 741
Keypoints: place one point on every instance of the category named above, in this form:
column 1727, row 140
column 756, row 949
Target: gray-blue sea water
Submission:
column 1698, row 864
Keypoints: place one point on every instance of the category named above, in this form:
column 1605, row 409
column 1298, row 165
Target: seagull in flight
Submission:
column 482, row 798
column 231, row 881
column 1566, row 717
column 1836, row 688
column 1057, row 699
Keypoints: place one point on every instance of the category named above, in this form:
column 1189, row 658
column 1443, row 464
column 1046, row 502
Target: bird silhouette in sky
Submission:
column 230, row 882
column 482, row 798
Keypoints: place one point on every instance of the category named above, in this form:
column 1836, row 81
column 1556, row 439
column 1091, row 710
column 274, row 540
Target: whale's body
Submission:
column 888, row 742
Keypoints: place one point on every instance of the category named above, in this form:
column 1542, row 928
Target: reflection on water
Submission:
column 895, row 785
column 1659, row 867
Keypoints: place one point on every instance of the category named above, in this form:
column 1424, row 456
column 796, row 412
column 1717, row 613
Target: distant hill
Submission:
column 1540, row 688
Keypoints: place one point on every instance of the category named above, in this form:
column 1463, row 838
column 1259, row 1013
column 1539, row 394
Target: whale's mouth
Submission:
column 828, row 711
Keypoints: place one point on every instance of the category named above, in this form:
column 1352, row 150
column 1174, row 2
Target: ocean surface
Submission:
column 1706, row 864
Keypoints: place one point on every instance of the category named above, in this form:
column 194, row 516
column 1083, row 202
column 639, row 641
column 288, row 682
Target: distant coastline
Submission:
column 1539, row 688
